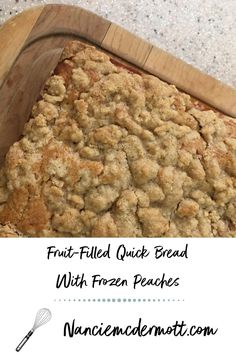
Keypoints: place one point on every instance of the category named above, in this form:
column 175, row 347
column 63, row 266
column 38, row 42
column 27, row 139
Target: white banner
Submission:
column 118, row 295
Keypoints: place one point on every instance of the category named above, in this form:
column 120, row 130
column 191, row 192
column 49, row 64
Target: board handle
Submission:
column 24, row 340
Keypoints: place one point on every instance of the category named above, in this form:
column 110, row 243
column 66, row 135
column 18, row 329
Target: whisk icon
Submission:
column 42, row 317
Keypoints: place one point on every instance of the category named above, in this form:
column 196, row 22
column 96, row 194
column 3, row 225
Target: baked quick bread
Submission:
column 109, row 152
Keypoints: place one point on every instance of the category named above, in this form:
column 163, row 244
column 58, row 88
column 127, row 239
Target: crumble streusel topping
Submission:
column 8, row 230
column 108, row 152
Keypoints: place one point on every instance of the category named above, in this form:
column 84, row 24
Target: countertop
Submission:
column 201, row 32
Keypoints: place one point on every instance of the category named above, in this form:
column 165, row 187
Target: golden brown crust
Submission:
column 9, row 230
column 109, row 152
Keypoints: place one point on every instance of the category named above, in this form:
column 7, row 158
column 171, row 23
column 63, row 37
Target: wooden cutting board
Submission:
column 31, row 44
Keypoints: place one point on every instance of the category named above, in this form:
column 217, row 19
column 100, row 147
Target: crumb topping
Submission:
column 108, row 152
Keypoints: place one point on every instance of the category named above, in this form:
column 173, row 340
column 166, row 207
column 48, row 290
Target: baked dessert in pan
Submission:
column 111, row 152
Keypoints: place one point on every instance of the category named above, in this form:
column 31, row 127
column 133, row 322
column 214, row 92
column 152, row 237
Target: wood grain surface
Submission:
column 126, row 45
column 31, row 44
column 12, row 38
column 69, row 20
